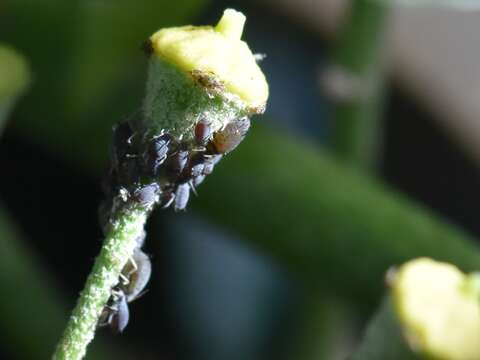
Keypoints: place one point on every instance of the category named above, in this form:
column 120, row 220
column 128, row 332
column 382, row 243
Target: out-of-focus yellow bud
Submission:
column 439, row 309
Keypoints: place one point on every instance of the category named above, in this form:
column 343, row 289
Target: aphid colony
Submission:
column 147, row 170
column 164, row 169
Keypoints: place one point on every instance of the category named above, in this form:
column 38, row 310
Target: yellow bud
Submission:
column 218, row 52
column 439, row 309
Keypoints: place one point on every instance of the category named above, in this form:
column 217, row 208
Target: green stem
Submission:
column 173, row 103
column 116, row 250
column 333, row 227
column 14, row 79
column 356, row 133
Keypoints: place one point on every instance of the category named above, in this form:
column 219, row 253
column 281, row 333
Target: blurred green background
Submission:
column 282, row 255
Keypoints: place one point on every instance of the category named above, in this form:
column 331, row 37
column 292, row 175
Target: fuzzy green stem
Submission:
column 116, row 250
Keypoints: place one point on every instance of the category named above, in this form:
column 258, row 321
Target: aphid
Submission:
column 203, row 132
column 228, row 138
column 197, row 170
column 182, row 194
column 167, row 198
column 116, row 314
column 122, row 315
column 198, row 180
column 156, row 154
column 147, row 195
column 177, row 162
column 193, row 168
column 133, row 280
column 138, row 271
column 209, row 163
column 215, row 158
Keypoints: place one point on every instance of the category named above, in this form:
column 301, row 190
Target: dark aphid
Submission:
column 200, row 164
column 182, row 194
column 208, row 168
column 147, row 195
column 116, row 313
column 167, row 198
column 137, row 271
column 215, row 158
column 147, row 47
column 156, row 154
column 198, row 180
column 209, row 164
column 229, row 137
column 195, row 166
column 177, row 161
column 120, row 318
column 203, row 132
column 197, row 170
column 133, row 280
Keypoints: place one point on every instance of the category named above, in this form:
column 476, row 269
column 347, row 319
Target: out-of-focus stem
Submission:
column 333, row 227
column 14, row 79
column 360, row 56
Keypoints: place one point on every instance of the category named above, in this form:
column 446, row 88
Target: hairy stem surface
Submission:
column 116, row 250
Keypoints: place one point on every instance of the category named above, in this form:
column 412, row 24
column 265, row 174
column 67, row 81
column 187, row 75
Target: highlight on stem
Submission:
column 203, row 84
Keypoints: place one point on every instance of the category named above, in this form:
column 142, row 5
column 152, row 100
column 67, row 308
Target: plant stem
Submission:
column 14, row 79
column 347, row 230
column 356, row 129
column 175, row 101
column 179, row 94
column 116, row 250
